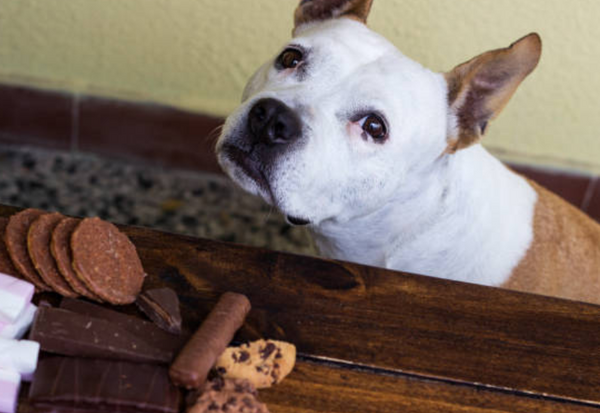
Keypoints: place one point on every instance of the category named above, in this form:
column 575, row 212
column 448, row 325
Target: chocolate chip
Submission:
column 213, row 406
column 267, row 351
column 218, row 384
column 244, row 355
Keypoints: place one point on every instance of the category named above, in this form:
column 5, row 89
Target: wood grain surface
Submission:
column 378, row 340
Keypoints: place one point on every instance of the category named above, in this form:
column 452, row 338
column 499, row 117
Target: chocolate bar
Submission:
column 193, row 363
column 67, row 333
column 161, row 305
column 77, row 384
column 146, row 330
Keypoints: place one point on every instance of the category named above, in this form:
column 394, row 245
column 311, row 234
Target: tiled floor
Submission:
column 192, row 203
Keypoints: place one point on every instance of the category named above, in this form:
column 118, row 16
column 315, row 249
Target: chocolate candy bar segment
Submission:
column 161, row 305
column 147, row 331
column 63, row 383
column 67, row 333
column 193, row 363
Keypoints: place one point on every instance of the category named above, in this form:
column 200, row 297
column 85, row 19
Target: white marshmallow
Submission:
column 20, row 356
column 15, row 294
column 20, row 326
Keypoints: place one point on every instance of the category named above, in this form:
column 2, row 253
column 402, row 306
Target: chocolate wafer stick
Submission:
column 193, row 363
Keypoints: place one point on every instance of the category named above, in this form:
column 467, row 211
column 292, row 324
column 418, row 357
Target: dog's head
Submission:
column 339, row 122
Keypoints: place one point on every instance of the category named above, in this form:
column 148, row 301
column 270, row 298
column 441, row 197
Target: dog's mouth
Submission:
column 251, row 167
column 255, row 171
column 297, row 221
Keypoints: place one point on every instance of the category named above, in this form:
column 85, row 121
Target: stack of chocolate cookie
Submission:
column 73, row 257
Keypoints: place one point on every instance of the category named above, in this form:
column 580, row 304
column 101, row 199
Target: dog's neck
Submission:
column 472, row 197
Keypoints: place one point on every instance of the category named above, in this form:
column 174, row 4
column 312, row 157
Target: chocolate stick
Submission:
column 193, row 363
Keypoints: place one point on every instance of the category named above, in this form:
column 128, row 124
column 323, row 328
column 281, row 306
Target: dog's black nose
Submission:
column 272, row 122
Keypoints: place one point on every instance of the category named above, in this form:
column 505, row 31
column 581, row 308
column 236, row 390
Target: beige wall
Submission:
column 197, row 54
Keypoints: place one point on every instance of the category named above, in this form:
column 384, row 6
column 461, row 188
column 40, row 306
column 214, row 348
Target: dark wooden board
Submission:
column 317, row 388
column 391, row 322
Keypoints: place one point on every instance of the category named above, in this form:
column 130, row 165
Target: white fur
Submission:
column 404, row 204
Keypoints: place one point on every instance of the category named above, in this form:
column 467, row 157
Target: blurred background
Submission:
column 109, row 108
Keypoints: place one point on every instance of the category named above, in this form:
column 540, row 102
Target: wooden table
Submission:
column 372, row 340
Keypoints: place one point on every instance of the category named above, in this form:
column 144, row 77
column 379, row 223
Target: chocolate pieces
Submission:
column 161, row 305
column 76, row 384
column 193, row 363
column 148, row 331
column 67, row 333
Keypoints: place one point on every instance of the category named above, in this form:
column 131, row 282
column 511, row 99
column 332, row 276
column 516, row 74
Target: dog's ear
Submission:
column 316, row 10
column 479, row 89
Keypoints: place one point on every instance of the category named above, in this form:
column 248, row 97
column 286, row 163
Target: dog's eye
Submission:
column 375, row 127
column 289, row 59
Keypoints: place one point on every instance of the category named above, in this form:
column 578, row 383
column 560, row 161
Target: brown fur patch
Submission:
column 564, row 257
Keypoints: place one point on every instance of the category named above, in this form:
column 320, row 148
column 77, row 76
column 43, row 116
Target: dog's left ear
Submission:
column 479, row 89
column 316, row 10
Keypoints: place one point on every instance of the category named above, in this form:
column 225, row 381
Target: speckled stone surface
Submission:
column 191, row 203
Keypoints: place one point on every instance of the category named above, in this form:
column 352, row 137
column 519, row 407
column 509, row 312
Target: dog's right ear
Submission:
column 317, row 10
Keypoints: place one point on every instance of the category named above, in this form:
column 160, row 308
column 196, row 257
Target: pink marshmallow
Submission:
column 10, row 382
column 15, row 294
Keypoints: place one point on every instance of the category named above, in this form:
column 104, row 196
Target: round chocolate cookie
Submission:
column 226, row 395
column 6, row 265
column 60, row 247
column 38, row 245
column 16, row 243
column 106, row 261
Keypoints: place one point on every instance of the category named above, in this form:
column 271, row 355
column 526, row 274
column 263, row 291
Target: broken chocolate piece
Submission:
column 193, row 363
column 148, row 331
column 76, row 384
column 161, row 305
column 67, row 333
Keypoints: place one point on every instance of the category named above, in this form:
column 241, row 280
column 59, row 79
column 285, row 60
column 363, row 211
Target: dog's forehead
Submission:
column 343, row 38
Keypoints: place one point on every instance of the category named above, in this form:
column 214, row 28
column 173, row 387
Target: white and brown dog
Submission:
column 381, row 158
